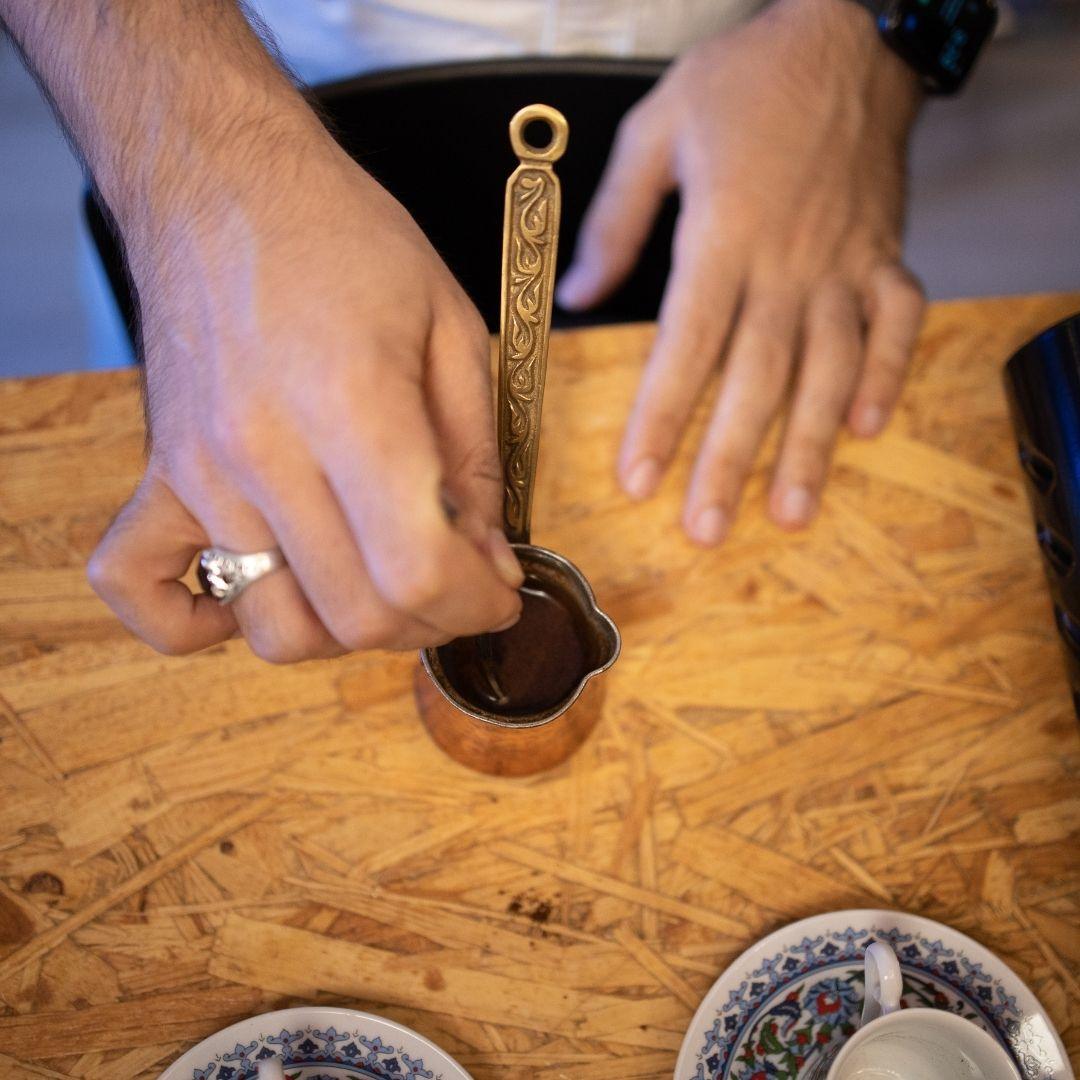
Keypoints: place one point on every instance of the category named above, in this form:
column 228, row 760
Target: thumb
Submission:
column 138, row 565
column 620, row 217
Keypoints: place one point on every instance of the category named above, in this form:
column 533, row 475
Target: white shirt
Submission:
column 332, row 39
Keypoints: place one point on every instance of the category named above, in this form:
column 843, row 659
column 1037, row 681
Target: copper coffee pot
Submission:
column 521, row 701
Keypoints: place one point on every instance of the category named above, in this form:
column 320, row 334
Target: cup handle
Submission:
column 884, row 982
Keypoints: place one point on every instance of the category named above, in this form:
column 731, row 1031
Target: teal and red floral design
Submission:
column 312, row 1053
column 795, row 1004
column 796, row 1029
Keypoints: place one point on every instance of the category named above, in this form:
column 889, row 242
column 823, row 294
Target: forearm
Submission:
column 170, row 102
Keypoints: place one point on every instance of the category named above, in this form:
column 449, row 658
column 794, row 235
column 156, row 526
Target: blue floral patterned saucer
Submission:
column 781, row 1004
column 317, row 1044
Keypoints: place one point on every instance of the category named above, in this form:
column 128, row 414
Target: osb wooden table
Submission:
column 871, row 713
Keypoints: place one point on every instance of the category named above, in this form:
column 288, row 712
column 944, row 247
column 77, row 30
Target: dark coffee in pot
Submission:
column 531, row 667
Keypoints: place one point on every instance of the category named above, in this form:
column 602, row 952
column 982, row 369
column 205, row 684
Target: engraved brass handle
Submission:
column 530, row 245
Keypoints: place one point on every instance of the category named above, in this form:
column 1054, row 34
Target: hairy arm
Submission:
column 316, row 379
column 163, row 100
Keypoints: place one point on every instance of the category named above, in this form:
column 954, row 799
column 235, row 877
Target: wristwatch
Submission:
column 940, row 39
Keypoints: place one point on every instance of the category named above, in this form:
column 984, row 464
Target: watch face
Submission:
column 939, row 38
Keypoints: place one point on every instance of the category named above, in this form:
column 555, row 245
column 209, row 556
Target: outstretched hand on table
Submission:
column 786, row 140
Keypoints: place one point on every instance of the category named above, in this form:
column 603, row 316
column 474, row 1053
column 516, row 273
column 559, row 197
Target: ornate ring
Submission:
column 226, row 574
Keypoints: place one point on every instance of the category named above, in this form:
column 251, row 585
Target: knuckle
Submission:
column 903, row 286
column 169, row 643
column 912, row 294
column 365, row 639
column 726, row 467
column 480, row 346
column 690, row 347
column 275, row 650
column 809, row 450
column 832, row 299
column 238, row 434
column 888, row 360
column 707, row 244
column 828, row 356
column 477, row 329
column 820, row 362
column 722, row 472
column 888, row 357
column 479, row 461
column 364, row 632
column 105, row 572
column 660, row 429
column 276, row 646
column 414, row 587
column 772, row 358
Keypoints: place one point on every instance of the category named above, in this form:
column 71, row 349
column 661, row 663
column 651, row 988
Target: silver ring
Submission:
column 226, row 574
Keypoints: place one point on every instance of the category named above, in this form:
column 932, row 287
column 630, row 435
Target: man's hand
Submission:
column 316, row 379
column 786, row 139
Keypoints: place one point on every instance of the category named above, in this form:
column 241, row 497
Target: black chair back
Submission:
column 436, row 137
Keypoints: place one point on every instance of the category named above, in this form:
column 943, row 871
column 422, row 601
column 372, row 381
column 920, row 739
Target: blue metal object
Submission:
column 1042, row 382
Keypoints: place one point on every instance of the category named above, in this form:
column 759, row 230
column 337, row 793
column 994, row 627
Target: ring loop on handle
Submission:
column 559, row 133
column 884, row 982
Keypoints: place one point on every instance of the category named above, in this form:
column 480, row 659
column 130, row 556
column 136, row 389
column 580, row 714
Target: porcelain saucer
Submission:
column 317, row 1044
column 785, row 1000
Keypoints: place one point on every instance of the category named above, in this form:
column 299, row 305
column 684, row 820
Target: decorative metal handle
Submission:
column 530, row 244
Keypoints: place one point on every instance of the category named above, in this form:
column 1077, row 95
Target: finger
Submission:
column 832, row 353
column 136, row 570
column 387, row 476
column 699, row 304
column 620, row 217
column 325, row 558
column 754, row 382
column 273, row 613
column 895, row 306
column 460, row 403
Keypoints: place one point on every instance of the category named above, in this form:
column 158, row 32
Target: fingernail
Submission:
column 568, row 290
column 709, row 526
column 869, row 420
column 502, row 555
column 641, row 480
column 796, row 506
column 506, row 625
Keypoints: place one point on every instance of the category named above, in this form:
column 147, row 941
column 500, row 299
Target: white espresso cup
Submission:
column 910, row 1044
